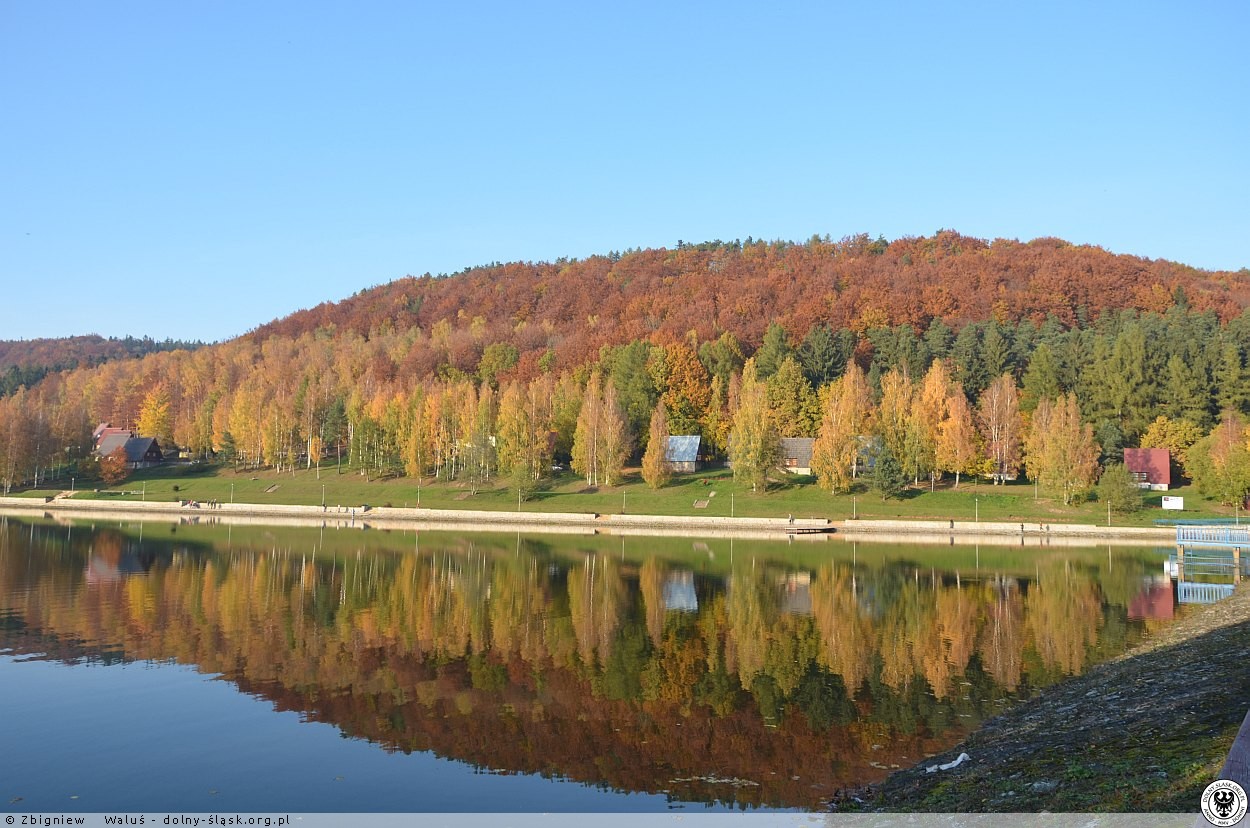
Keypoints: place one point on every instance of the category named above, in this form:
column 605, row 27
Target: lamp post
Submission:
column 232, row 493
column 976, row 509
column 323, row 497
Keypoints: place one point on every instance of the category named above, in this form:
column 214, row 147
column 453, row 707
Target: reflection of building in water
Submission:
column 1156, row 600
column 679, row 594
column 112, row 558
column 796, row 593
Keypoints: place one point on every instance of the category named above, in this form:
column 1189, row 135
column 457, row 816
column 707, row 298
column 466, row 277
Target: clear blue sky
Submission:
column 197, row 169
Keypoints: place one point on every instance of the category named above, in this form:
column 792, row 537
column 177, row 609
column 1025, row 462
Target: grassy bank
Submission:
column 712, row 493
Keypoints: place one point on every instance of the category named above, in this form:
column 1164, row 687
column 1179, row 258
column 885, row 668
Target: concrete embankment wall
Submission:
column 920, row 531
column 406, row 518
column 948, row 528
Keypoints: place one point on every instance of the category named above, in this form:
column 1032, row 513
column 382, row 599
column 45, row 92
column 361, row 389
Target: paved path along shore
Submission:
column 933, row 531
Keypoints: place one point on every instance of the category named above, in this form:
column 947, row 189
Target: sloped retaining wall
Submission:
column 395, row 517
column 1145, row 534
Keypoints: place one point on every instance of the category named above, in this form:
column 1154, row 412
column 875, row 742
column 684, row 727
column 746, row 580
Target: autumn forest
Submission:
column 944, row 355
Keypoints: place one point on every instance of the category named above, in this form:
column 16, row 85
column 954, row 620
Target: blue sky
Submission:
column 195, row 170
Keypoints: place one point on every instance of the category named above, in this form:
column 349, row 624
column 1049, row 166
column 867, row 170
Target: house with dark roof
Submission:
column 1150, row 467
column 141, row 452
column 796, row 455
column 682, row 453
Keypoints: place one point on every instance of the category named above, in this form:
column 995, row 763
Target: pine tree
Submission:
column 1041, row 380
column 773, row 351
column 823, row 353
column 888, row 476
column 792, row 403
column 1185, row 396
column 966, row 357
column 1230, row 379
column 996, row 356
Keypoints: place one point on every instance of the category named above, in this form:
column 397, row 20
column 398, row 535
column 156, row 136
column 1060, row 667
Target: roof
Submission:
column 1152, row 462
column 683, row 449
column 109, row 443
column 105, row 430
column 136, row 447
column 799, row 448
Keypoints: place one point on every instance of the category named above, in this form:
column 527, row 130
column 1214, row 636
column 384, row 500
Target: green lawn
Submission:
column 44, row 492
column 800, row 497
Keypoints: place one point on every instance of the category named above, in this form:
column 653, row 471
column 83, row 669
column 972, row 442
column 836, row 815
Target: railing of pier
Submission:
column 1212, row 536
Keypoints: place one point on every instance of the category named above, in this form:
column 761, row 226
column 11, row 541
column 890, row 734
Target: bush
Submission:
column 1118, row 488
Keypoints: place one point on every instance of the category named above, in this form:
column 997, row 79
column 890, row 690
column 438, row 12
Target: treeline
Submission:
column 498, row 372
column 25, row 362
column 564, row 312
column 924, row 394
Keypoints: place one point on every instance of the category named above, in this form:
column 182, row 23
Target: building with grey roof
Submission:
column 796, row 454
column 682, row 454
column 141, row 452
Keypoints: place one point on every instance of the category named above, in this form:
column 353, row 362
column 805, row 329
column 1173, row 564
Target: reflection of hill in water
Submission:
column 594, row 668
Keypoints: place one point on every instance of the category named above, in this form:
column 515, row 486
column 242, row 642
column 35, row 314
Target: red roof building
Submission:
column 1151, row 466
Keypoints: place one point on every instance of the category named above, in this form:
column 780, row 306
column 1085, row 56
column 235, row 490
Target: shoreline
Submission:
column 810, row 529
column 1146, row 731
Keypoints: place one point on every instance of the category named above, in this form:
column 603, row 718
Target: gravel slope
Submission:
column 1144, row 732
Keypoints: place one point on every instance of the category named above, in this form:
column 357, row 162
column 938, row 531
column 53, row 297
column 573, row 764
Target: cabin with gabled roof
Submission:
column 682, row 453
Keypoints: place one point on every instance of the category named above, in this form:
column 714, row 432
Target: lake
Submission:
column 190, row 667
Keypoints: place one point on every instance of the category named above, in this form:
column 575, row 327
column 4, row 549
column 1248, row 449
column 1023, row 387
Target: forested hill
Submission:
column 740, row 287
column 26, row 361
column 467, row 377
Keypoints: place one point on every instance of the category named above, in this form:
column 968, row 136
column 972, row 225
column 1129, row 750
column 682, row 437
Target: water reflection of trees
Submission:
column 596, row 668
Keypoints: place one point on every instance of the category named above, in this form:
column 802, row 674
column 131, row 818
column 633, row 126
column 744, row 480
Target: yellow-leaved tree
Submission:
column 655, row 468
column 1060, row 451
column 154, row 416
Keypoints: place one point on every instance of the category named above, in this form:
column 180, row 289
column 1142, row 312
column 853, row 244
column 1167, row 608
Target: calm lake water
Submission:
column 211, row 668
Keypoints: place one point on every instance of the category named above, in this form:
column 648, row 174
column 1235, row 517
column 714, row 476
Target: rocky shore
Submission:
column 1145, row 732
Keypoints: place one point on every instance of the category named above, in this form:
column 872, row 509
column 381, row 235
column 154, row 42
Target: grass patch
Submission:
column 566, row 492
